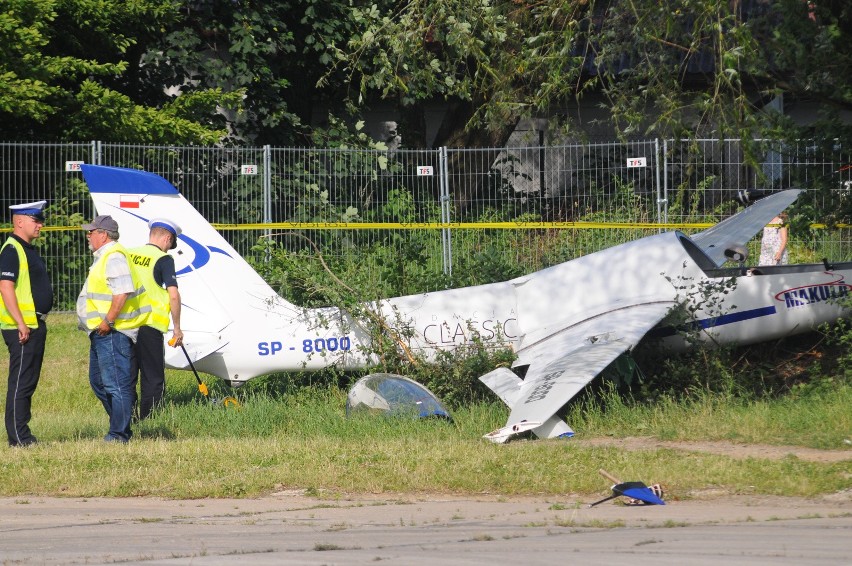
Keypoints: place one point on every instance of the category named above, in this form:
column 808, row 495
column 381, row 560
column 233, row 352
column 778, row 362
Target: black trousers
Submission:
column 149, row 362
column 24, row 370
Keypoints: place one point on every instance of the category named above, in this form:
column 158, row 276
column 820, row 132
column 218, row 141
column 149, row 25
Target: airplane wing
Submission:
column 562, row 364
column 738, row 229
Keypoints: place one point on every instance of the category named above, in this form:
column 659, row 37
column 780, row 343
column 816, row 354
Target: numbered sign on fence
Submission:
column 636, row 162
column 425, row 171
column 248, row 169
column 73, row 165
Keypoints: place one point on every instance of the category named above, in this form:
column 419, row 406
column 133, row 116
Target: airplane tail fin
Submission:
column 217, row 285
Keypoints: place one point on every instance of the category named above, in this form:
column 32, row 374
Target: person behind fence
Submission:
column 156, row 270
column 111, row 310
column 26, row 296
column 773, row 245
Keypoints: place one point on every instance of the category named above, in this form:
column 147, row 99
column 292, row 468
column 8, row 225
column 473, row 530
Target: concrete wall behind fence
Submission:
column 539, row 204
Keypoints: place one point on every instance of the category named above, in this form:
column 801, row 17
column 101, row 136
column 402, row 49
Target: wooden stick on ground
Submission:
column 609, row 476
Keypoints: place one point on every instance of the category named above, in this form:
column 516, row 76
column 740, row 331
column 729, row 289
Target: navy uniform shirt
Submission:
column 164, row 271
column 10, row 267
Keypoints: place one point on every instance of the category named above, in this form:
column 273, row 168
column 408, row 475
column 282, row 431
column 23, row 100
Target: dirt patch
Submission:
column 730, row 449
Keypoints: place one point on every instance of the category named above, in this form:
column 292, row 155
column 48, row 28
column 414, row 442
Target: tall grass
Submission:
column 822, row 421
column 300, row 438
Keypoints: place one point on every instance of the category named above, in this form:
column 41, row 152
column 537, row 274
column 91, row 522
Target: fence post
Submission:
column 444, row 183
column 267, row 194
column 660, row 201
column 665, row 181
column 267, row 185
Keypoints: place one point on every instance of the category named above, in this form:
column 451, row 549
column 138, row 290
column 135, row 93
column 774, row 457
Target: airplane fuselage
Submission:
column 719, row 306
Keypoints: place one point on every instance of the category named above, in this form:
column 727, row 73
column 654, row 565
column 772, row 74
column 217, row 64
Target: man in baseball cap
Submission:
column 102, row 222
column 110, row 310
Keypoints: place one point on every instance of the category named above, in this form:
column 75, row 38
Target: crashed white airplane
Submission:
column 566, row 323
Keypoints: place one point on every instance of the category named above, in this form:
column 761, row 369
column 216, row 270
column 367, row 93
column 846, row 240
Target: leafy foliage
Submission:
column 703, row 66
column 454, row 376
column 839, row 340
column 109, row 115
column 69, row 207
column 32, row 70
column 262, row 72
column 70, row 69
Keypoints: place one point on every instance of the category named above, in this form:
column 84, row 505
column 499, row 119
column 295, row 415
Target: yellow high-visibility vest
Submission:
column 23, row 292
column 142, row 259
column 133, row 314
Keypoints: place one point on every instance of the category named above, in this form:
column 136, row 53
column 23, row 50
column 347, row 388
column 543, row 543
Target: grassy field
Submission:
column 195, row 447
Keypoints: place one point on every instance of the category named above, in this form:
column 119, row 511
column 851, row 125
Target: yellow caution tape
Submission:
column 450, row 225
column 478, row 225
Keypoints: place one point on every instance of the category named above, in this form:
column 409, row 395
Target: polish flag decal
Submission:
column 129, row 201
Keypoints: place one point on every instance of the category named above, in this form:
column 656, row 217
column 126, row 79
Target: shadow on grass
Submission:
column 154, row 432
column 274, row 387
column 145, row 429
column 86, row 432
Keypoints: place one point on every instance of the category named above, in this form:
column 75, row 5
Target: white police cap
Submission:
column 168, row 225
column 34, row 209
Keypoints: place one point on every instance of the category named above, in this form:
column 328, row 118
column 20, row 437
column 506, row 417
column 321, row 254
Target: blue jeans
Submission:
column 109, row 375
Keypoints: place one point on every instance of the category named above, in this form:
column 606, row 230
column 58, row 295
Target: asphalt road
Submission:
column 292, row 528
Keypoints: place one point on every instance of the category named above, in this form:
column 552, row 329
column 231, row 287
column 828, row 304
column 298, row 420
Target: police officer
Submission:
column 156, row 271
column 26, row 296
column 110, row 310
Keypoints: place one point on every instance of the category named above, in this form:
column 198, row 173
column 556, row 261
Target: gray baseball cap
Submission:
column 102, row 222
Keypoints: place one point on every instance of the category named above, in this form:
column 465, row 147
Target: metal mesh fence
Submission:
column 410, row 221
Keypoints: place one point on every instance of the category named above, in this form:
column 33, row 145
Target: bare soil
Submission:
column 291, row 527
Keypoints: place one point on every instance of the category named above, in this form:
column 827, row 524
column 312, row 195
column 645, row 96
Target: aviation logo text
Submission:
column 307, row 346
column 813, row 294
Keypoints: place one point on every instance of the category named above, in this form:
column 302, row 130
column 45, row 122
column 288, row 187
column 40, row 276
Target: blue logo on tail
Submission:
column 202, row 252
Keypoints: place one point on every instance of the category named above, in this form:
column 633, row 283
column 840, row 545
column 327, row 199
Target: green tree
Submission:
column 451, row 51
column 274, row 52
column 679, row 67
column 67, row 71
